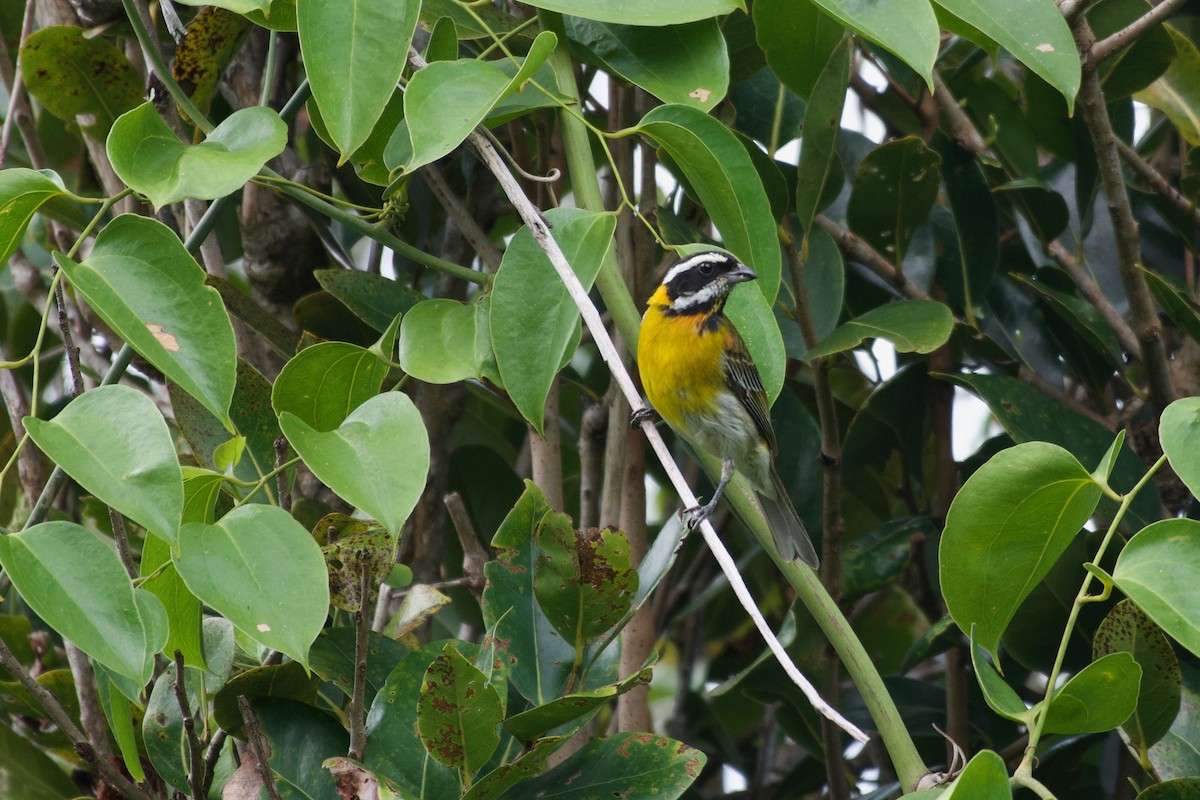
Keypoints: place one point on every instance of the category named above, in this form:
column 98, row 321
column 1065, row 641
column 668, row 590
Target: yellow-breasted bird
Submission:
column 699, row 377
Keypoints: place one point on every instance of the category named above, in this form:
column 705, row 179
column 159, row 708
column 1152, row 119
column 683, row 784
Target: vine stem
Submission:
column 533, row 219
column 1024, row 771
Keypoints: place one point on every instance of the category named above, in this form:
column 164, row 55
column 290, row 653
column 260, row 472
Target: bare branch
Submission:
column 1160, row 184
column 196, row 765
column 1094, row 295
column 856, row 248
column 258, row 745
column 1114, row 42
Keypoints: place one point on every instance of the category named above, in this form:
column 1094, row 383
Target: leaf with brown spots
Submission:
column 585, row 582
column 458, row 714
column 81, row 79
column 632, row 766
column 209, row 43
column 355, row 546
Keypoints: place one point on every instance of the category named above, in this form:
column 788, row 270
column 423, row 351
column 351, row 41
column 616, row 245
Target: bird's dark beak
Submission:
column 741, row 274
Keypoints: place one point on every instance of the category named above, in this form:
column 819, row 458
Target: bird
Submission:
column 699, row 378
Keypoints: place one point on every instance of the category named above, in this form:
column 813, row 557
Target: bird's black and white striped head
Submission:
column 700, row 283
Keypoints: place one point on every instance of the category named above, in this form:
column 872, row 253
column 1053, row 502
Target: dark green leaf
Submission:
column 638, row 766
column 798, row 39
column 1127, row 629
column 374, row 299
column 822, row 124
column 458, row 713
column 718, row 168
column 536, row 722
column 332, row 657
column 685, row 63
column 288, row 680
column 912, row 326
column 24, row 765
column 74, row 75
column 894, row 190
column 584, row 580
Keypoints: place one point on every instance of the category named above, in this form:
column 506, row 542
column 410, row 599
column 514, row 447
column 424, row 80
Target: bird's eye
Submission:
column 706, row 269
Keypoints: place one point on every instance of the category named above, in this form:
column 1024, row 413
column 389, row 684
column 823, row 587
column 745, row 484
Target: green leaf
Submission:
column 440, row 341
column 822, row 124
column 533, row 320
column 396, row 750
column 532, row 724
column 146, row 287
column 1177, row 92
column 723, row 176
column 797, row 39
column 984, row 778
column 636, row 12
column 288, row 680
column 1156, row 570
column 1007, row 526
column 374, row 299
column 494, row 784
column 236, row 6
column 1084, row 318
column 76, row 583
column 1178, row 754
column 976, row 228
column 907, row 28
column 22, row 193
column 1178, row 304
column 119, row 713
column 114, row 441
column 1028, row 415
column 262, row 570
column 72, row 74
column 1139, row 63
column 300, row 741
column 1178, row 789
column 376, row 460
column 999, row 696
column 332, row 658
column 323, row 384
column 458, row 713
column 638, row 766
column 184, row 613
column 1179, row 432
column 1032, row 30
column 24, row 764
column 541, row 659
column 354, row 52
column 896, row 186
column 912, row 326
column 584, row 581
column 446, row 100
column 1098, row 698
column 149, row 157
column 685, row 63
column 1126, row 629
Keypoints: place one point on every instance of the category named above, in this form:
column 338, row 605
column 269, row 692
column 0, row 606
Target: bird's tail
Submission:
column 791, row 538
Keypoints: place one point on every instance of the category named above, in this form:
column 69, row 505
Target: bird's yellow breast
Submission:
column 680, row 360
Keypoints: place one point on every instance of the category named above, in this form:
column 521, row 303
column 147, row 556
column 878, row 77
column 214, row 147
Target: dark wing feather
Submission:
column 744, row 381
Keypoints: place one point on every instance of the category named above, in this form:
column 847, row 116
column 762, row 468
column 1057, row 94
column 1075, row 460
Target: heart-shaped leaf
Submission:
column 147, row 288
column 262, row 570
column 76, row 583
column 152, row 161
column 1157, row 570
column 114, row 441
column 323, row 383
column 377, row 459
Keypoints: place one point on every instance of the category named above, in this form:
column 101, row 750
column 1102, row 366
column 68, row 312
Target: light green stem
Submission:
column 907, row 762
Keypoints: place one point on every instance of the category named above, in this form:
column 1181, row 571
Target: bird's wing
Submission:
column 744, row 381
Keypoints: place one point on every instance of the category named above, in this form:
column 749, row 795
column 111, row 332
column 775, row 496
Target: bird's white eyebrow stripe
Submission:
column 691, row 261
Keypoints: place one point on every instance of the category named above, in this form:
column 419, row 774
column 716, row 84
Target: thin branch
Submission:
column 16, row 91
column 80, row 743
column 856, row 248
column 962, row 129
column 1160, row 184
column 462, row 217
column 258, row 746
column 121, row 535
column 212, row 754
column 362, row 634
column 1114, row 42
column 474, row 553
column 196, row 766
column 541, row 234
column 1125, row 227
column 1094, row 295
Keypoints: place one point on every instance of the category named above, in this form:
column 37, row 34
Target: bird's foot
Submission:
column 644, row 414
column 695, row 516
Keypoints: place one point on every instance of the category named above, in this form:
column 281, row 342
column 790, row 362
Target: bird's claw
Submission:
column 695, row 516
column 644, row 414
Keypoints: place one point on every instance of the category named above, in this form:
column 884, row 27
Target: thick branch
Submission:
column 1125, row 227
column 961, row 128
column 1091, row 290
column 1157, row 182
column 856, row 248
column 1114, row 42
